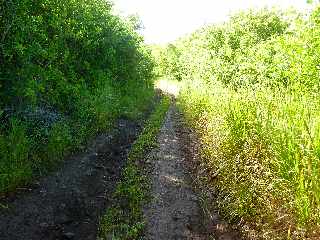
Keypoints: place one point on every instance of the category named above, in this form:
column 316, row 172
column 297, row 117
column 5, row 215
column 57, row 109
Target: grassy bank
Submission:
column 260, row 152
column 250, row 88
column 124, row 220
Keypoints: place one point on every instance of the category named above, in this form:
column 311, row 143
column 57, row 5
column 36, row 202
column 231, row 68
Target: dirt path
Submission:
column 67, row 204
column 174, row 213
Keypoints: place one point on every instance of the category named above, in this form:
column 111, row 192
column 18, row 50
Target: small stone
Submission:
column 44, row 225
column 69, row 235
column 63, row 219
column 63, row 206
column 93, row 156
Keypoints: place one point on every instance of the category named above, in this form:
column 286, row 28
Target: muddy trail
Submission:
column 68, row 203
column 176, row 212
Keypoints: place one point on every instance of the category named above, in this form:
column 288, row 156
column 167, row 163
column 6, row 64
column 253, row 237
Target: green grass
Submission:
column 264, row 145
column 124, row 220
column 26, row 155
column 67, row 84
column 14, row 153
column 250, row 88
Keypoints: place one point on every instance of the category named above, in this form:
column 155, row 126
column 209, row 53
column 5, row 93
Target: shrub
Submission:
column 68, row 69
column 251, row 91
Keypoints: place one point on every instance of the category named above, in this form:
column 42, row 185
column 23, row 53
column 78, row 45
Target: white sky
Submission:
column 166, row 20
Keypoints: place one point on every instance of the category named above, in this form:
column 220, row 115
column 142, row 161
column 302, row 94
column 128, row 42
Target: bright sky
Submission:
column 166, row 20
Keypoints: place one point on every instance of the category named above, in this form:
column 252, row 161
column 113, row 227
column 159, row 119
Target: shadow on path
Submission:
column 67, row 204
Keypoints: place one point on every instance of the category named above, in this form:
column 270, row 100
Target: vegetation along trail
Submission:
column 69, row 203
column 232, row 149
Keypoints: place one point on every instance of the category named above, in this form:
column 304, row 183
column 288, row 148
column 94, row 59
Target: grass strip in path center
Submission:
column 124, row 220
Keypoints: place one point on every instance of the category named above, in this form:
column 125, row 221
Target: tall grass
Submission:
column 264, row 147
column 250, row 88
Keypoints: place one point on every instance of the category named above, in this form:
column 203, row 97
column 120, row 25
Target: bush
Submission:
column 251, row 91
column 68, row 69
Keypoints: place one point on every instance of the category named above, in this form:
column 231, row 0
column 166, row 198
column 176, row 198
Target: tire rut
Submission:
column 174, row 213
column 67, row 204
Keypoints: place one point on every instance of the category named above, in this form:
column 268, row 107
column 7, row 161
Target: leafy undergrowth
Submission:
column 124, row 220
column 250, row 88
column 68, row 70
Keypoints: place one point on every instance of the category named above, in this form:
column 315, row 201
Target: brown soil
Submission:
column 176, row 211
column 68, row 203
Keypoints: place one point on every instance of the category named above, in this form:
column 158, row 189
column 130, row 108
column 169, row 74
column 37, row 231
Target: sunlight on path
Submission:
column 171, row 87
column 174, row 212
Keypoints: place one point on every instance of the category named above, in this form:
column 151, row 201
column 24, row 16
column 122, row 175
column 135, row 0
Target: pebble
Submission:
column 69, row 235
column 63, row 206
column 93, row 156
column 44, row 225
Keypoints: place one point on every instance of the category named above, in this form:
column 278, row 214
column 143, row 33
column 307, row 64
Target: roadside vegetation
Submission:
column 68, row 69
column 124, row 220
column 250, row 89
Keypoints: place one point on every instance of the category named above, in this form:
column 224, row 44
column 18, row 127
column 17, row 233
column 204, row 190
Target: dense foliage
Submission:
column 251, row 90
column 67, row 70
